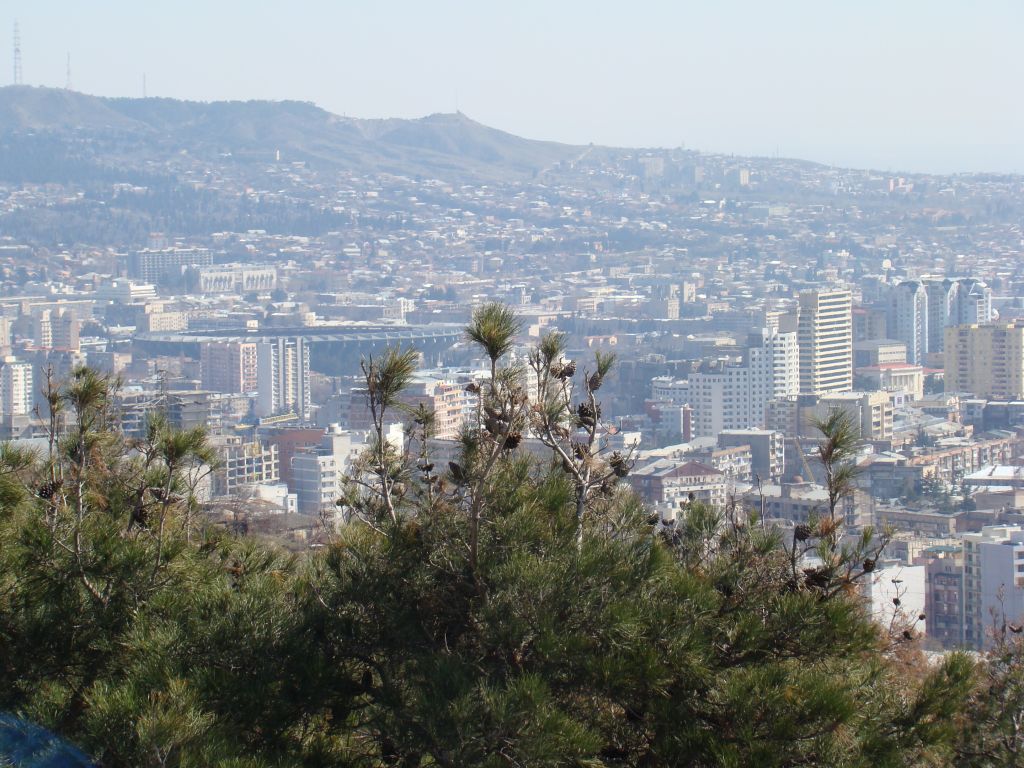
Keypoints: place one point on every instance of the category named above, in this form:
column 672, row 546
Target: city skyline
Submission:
column 916, row 88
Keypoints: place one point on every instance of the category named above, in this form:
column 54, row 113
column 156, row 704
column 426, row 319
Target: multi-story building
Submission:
column 825, row 336
column 282, row 374
column 986, row 360
column 893, row 377
column 233, row 278
column 666, row 483
column 242, row 463
column 767, row 450
column 229, row 366
column 16, row 389
column 993, row 581
column 973, row 302
column 166, row 266
column 736, row 396
column 55, row 329
column 666, row 389
column 879, row 352
column 908, row 318
column 452, row 405
column 942, row 309
column 952, row 302
column 317, row 472
column 944, row 596
column 871, row 411
column 799, row 502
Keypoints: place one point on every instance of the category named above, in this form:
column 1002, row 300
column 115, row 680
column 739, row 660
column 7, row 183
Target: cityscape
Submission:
column 250, row 274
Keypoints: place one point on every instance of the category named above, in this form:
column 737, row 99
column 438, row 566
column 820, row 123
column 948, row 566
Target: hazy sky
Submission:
column 893, row 84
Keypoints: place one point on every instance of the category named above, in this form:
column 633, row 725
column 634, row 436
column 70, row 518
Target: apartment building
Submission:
column 825, row 337
column 986, row 360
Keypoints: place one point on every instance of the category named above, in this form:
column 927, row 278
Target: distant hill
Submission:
column 448, row 146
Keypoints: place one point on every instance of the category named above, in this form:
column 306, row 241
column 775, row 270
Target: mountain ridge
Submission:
column 299, row 130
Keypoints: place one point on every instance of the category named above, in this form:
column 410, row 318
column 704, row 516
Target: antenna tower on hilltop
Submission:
column 17, row 54
column 67, row 83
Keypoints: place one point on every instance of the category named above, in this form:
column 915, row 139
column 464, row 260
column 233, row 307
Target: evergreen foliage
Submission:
column 468, row 617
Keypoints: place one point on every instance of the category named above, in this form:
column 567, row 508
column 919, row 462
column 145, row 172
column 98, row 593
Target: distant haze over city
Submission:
column 914, row 86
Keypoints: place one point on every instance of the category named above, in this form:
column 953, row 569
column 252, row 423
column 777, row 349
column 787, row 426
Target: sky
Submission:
column 896, row 85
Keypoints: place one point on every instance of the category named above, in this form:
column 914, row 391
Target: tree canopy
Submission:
column 477, row 615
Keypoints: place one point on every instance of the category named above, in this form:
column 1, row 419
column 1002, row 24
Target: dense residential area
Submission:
column 743, row 298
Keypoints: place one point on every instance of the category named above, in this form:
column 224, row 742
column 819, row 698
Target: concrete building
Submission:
column 736, row 396
column 666, row 483
column 767, row 450
column 825, row 336
column 952, row 302
column 55, row 329
column 242, row 463
column 986, row 360
column 908, row 318
column 229, row 366
column 944, row 597
column 233, row 278
column 166, row 266
column 993, row 581
column 282, row 374
column 799, row 502
column 878, row 352
column 871, row 411
column 16, row 387
column 317, row 472
column 893, row 377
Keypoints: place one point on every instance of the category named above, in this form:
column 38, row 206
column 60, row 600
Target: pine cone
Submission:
column 802, row 532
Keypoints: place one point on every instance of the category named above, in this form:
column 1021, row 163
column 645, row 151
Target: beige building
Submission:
column 872, row 411
column 895, row 377
column 229, row 366
column 825, row 336
column 986, row 360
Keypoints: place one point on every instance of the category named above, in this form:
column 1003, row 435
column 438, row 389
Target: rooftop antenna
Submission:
column 67, row 83
column 17, row 55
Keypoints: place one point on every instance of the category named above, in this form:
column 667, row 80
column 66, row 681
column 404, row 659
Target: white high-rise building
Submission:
column 909, row 319
column 955, row 301
column 825, row 335
column 282, row 377
column 16, row 387
column 942, row 309
column 973, row 303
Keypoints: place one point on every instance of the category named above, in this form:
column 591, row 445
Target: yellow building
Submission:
column 986, row 360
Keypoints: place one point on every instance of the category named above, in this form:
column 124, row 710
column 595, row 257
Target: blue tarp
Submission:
column 26, row 745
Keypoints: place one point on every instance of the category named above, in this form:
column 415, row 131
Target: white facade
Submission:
column 737, row 396
column 993, row 581
column 825, row 331
column 282, row 377
column 16, row 387
column 317, row 473
column 955, row 301
column 906, row 583
column 666, row 389
column 909, row 319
